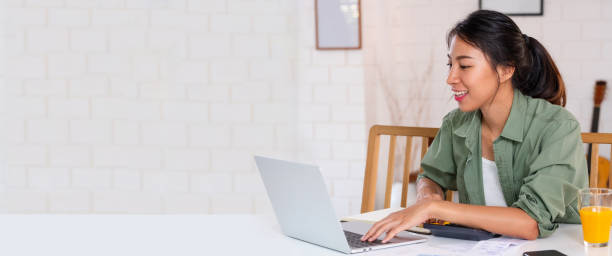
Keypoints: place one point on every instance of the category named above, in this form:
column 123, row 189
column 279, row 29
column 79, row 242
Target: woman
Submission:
column 511, row 150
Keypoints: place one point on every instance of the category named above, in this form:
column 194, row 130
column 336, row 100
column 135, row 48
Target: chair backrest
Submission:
column 371, row 170
column 599, row 177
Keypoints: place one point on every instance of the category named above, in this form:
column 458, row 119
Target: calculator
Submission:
column 458, row 232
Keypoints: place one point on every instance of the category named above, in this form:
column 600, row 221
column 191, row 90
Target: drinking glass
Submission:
column 595, row 206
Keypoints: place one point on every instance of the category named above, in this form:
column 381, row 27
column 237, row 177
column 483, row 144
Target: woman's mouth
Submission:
column 459, row 95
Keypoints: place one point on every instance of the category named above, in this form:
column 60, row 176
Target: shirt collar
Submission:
column 513, row 129
column 469, row 126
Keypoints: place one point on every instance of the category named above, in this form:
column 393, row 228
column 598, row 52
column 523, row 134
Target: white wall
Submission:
column 331, row 120
column 146, row 106
column 157, row 106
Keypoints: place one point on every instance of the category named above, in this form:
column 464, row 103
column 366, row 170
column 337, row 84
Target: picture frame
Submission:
column 514, row 7
column 338, row 24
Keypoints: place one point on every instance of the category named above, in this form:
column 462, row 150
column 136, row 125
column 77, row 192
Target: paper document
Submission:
column 374, row 216
column 495, row 246
column 491, row 247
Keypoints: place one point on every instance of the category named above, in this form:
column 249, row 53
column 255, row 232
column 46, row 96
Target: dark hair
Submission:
column 503, row 43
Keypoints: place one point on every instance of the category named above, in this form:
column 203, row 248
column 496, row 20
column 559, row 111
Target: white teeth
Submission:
column 460, row 93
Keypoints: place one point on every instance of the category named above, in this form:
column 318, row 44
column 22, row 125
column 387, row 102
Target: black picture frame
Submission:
column 490, row 5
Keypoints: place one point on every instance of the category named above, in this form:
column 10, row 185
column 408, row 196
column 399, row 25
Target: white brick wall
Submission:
column 46, row 87
column 90, row 131
column 229, row 71
column 48, row 178
column 186, row 202
column 68, row 17
column 90, row 178
column 88, row 40
column 47, row 131
column 211, row 183
column 46, row 40
column 69, row 201
column 70, row 156
column 187, row 159
column 26, row 66
column 139, row 106
column 159, row 106
column 26, row 200
column 126, row 179
column 68, row 108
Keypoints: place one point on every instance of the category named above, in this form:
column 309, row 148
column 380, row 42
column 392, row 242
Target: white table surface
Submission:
column 151, row 235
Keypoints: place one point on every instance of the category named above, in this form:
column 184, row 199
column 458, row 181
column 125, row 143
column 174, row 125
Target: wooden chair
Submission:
column 371, row 170
column 599, row 178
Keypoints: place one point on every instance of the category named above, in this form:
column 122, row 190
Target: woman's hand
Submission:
column 400, row 221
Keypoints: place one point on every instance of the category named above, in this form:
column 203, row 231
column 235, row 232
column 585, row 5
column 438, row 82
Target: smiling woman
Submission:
column 511, row 150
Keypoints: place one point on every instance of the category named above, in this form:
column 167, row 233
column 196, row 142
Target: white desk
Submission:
column 151, row 235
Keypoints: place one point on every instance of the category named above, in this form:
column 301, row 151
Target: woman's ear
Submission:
column 505, row 73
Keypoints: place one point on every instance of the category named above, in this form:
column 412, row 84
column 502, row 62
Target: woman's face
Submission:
column 472, row 79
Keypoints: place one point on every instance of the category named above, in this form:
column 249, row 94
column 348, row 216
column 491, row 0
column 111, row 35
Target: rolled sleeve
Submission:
column 438, row 164
column 549, row 192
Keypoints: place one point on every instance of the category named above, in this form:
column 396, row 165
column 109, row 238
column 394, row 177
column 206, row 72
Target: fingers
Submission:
column 374, row 229
column 382, row 229
column 391, row 227
column 398, row 228
column 392, row 233
column 369, row 233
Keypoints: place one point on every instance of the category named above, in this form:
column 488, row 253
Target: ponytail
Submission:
column 501, row 40
column 538, row 76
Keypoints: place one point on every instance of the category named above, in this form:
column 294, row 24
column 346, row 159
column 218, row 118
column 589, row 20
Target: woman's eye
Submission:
column 464, row 67
column 449, row 65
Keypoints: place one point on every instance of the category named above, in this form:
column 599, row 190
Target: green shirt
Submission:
column 539, row 156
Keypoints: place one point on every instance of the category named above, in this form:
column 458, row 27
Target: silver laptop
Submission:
column 305, row 212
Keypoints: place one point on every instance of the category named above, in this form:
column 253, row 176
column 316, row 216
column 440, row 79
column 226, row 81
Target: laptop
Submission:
column 304, row 210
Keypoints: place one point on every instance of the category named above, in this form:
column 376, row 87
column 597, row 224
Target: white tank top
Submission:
column 492, row 187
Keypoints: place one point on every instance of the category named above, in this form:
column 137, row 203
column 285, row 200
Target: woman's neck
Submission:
column 495, row 113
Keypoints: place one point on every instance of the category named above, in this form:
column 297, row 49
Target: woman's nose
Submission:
column 452, row 77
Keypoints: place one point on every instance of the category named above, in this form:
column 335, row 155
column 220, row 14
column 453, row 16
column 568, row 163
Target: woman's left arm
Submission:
column 507, row 221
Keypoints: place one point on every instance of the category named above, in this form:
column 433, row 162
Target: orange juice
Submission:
column 596, row 221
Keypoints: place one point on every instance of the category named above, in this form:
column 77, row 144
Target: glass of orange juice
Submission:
column 595, row 206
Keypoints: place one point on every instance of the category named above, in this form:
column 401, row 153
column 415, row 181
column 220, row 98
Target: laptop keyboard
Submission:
column 354, row 240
